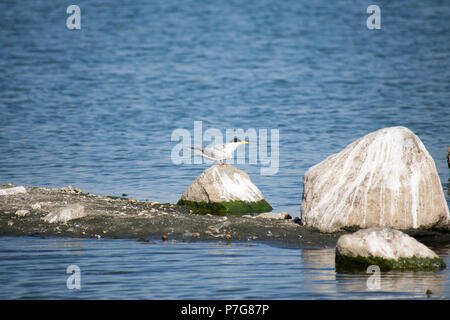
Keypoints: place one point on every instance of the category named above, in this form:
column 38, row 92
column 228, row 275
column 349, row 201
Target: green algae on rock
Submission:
column 388, row 249
column 359, row 263
column 224, row 208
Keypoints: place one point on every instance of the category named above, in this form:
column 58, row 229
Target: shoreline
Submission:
column 122, row 218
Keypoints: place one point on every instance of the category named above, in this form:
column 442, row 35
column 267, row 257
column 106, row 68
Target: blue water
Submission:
column 125, row 269
column 95, row 108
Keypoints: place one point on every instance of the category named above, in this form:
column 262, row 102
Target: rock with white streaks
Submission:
column 386, row 178
column 224, row 190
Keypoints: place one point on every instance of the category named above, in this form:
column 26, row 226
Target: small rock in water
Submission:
column 388, row 248
column 164, row 238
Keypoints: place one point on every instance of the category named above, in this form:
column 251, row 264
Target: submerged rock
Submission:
column 12, row 191
column 386, row 178
column 389, row 249
column 63, row 215
column 224, row 190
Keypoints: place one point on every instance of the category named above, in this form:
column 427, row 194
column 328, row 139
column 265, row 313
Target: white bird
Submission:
column 219, row 152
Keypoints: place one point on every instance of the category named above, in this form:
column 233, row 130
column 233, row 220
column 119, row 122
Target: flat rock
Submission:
column 274, row 216
column 386, row 178
column 12, row 191
column 387, row 248
column 65, row 214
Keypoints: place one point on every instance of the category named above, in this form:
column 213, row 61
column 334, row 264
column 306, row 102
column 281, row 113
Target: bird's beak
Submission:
column 244, row 142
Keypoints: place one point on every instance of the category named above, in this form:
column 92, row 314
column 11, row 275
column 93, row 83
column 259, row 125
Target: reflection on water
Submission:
column 34, row 268
column 393, row 285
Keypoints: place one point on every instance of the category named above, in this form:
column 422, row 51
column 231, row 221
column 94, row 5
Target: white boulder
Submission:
column 383, row 243
column 388, row 249
column 224, row 190
column 222, row 183
column 386, row 178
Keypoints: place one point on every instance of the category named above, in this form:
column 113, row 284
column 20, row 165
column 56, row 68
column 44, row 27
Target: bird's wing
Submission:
column 206, row 152
column 214, row 152
column 229, row 149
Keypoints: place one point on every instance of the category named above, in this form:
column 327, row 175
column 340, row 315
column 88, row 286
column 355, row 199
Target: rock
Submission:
column 36, row 206
column 65, row 214
column 224, row 190
column 70, row 189
column 448, row 157
column 386, row 178
column 274, row 216
column 389, row 249
column 22, row 213
column 12, row 191
column 209, row 233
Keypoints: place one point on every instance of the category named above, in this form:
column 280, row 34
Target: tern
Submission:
column 219, row 152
